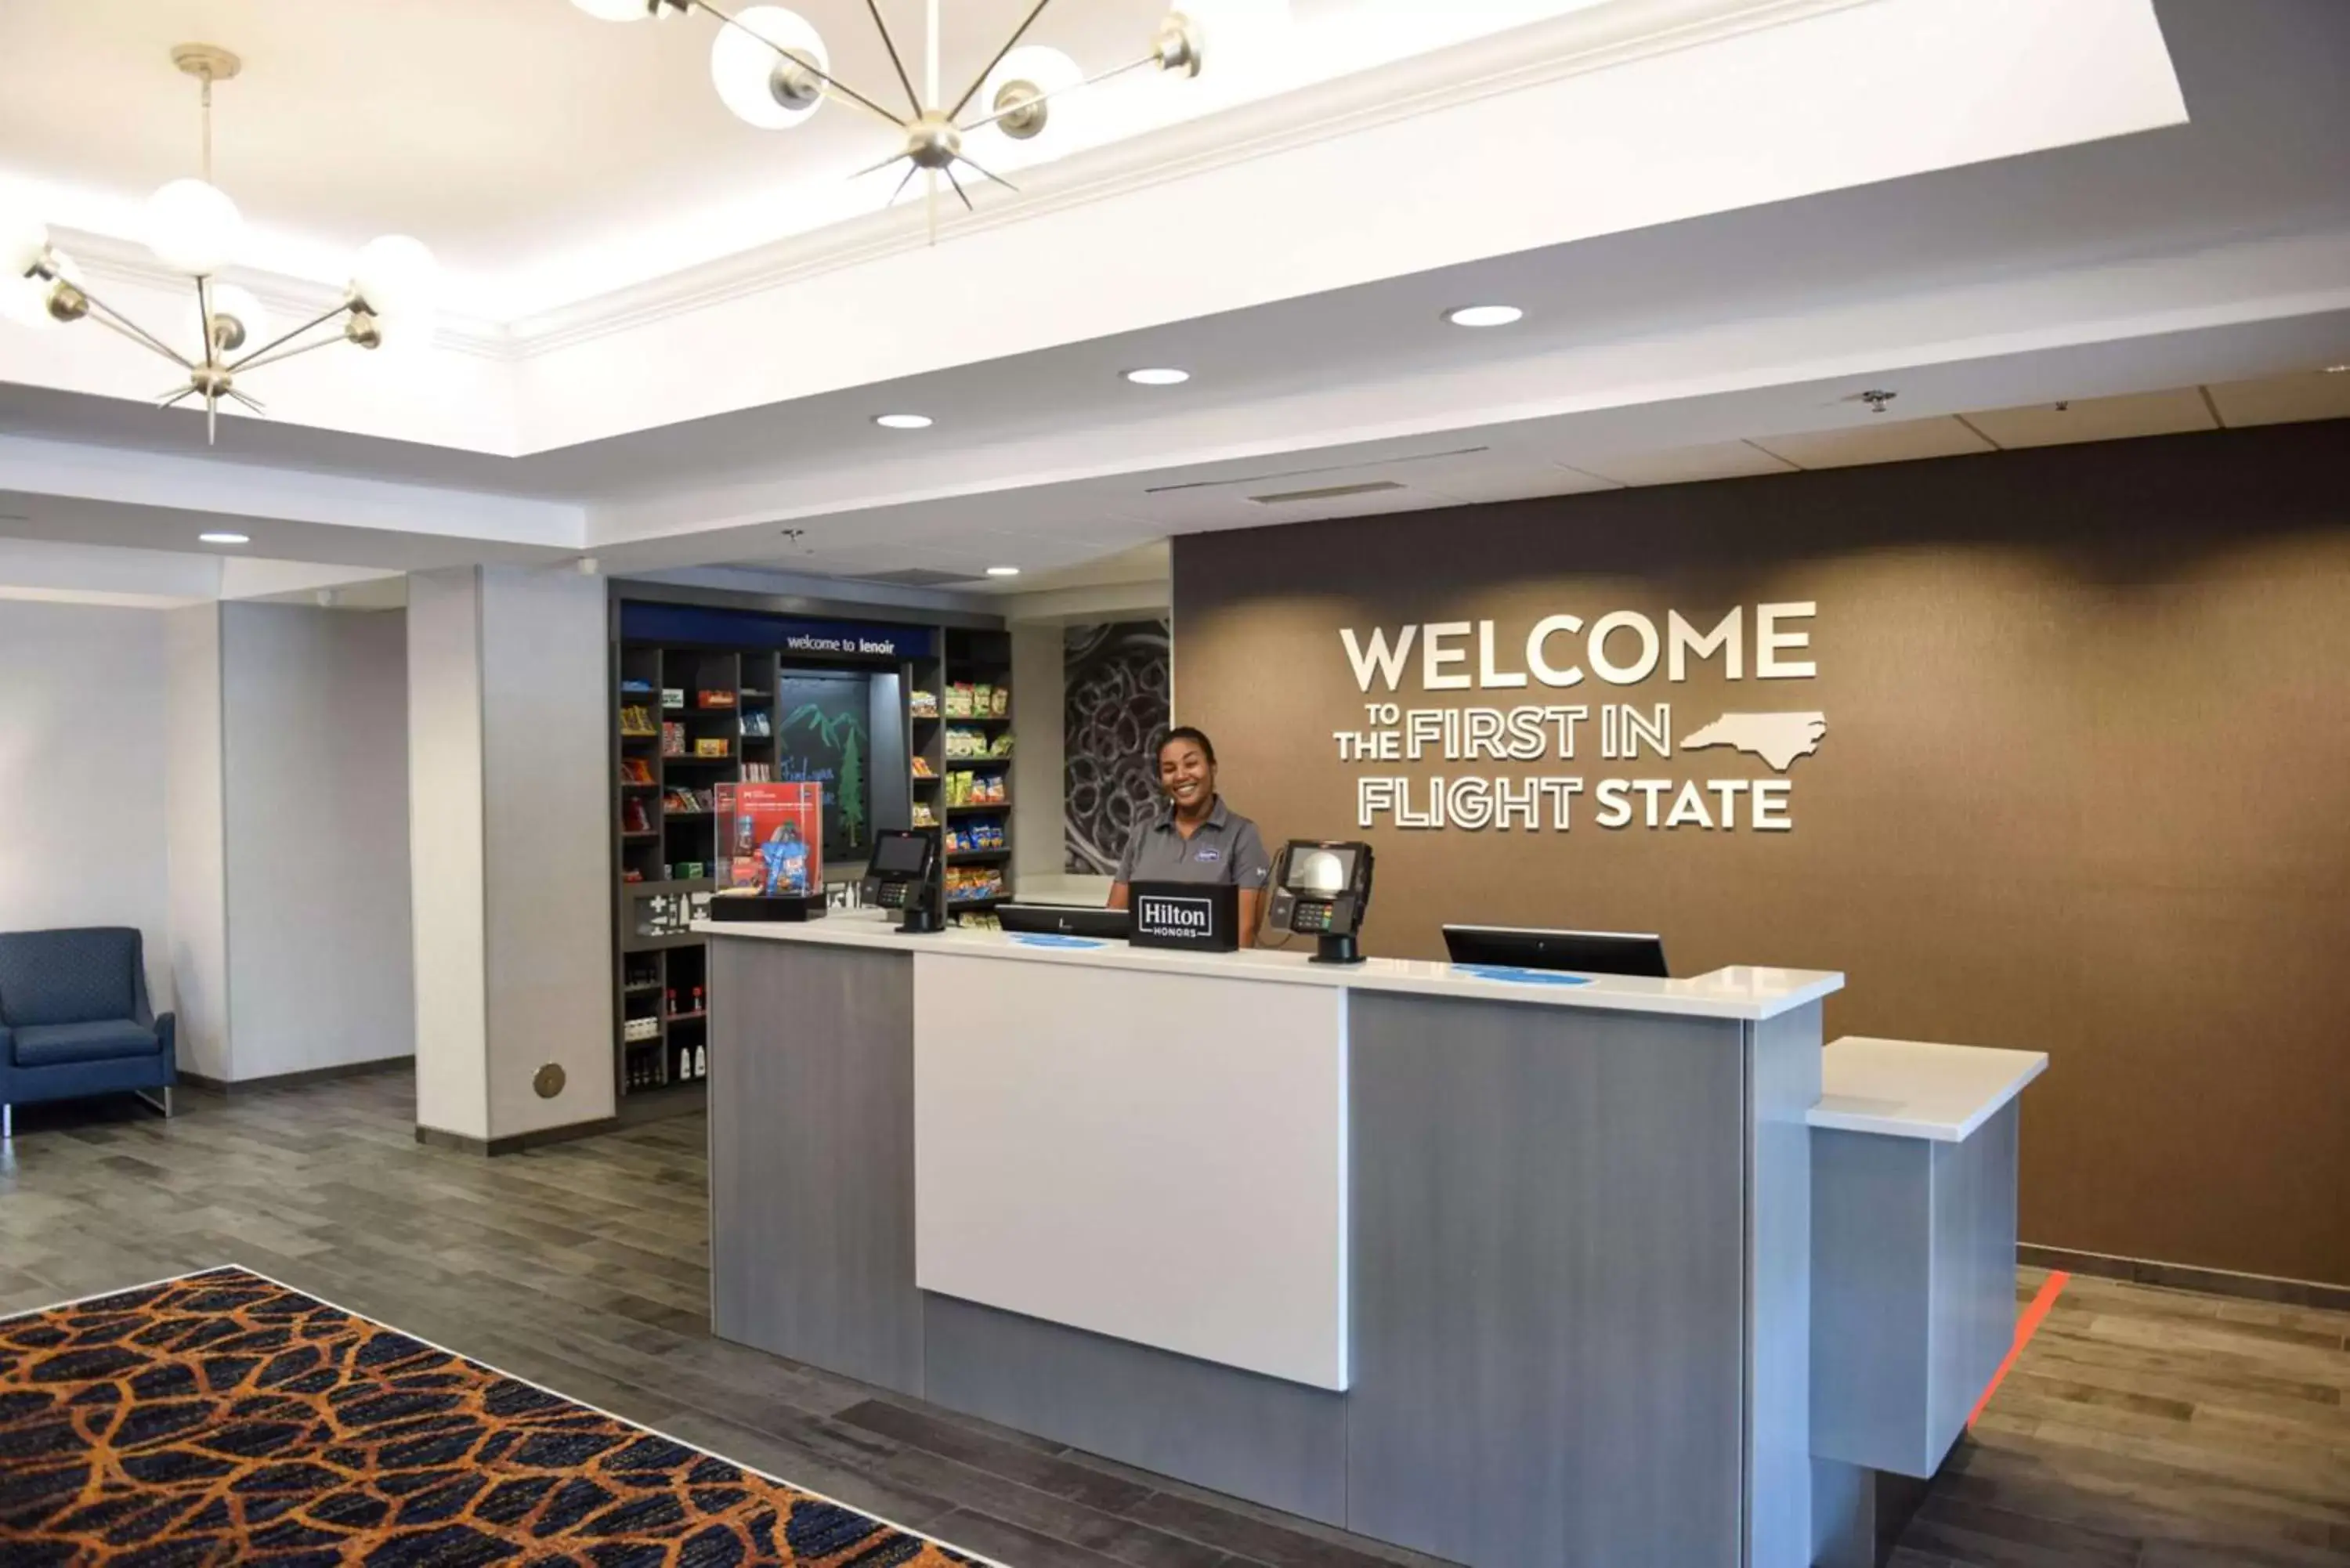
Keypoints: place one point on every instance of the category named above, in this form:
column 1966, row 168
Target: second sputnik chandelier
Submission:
column 771, row 68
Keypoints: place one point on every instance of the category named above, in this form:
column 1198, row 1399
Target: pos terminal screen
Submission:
column 1319, row 871
column 900, row 854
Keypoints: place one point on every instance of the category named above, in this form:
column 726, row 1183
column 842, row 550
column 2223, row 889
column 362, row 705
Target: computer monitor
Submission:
column 1583, row 952
column 1065, row 920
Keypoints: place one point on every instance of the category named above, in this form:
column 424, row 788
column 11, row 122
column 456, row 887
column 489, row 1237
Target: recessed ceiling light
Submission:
column 225, row 538
column 1002, row 571
column 903, row 422
column 2337, row 369
column 1484, row 315
column 1159, row 376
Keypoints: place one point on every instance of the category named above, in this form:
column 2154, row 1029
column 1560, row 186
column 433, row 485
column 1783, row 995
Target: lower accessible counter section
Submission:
column 1508, row 1282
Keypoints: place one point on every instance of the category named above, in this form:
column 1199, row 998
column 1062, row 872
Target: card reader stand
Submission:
column 904, row 869
column 1337, row 948
column 919, row 902
column 1322, row 889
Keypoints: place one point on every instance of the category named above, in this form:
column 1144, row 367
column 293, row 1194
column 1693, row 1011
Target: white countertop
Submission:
column 1742, row 992
column 1914, row 1088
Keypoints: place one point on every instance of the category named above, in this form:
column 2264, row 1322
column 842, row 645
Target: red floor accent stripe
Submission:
column 2025, row 1327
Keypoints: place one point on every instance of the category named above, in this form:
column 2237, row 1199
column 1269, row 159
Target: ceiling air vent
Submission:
column 1328, row 493
column 917, row 578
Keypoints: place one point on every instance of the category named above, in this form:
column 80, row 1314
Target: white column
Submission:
column 510, row 851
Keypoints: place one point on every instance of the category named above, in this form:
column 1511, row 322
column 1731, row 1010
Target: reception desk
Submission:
column 1509, row 1268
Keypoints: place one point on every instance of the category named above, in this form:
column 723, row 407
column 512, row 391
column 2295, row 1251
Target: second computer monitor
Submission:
column 1583, row 952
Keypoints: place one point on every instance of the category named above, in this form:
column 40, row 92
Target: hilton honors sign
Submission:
column 1586, row 692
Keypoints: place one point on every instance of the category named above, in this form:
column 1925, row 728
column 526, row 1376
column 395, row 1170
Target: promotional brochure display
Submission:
column 772, row 838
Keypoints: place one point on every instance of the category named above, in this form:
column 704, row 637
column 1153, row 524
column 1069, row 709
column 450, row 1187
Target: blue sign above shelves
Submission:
column 649, row 621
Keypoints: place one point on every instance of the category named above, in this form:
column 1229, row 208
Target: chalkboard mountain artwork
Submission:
column 1777, row 738
column 825, row 742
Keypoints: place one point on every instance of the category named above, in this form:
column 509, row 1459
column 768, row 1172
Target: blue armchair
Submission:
column 74, row 1020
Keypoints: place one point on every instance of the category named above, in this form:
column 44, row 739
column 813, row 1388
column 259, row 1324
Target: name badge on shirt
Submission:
column 1206, row 854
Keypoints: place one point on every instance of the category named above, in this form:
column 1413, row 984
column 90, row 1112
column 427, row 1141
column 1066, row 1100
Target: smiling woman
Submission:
column 1195, row 838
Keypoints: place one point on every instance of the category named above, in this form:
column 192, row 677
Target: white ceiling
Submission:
column 530, row 144
column 2108, row 275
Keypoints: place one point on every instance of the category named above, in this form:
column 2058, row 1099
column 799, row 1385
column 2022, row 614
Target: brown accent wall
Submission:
column 2084, row 789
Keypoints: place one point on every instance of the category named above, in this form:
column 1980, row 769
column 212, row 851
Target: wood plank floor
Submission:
column 2143, row 1428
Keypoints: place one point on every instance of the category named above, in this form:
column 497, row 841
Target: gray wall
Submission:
column 83, row 724
column 315, row 718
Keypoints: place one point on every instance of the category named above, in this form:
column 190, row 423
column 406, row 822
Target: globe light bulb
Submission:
column 192, row 227
column 1048, row 71
column 23, row 238
column 396, row 276
column 615, row 10
column 743, row 68
column 237, row 317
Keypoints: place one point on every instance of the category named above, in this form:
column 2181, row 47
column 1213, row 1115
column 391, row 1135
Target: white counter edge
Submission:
column 1918, row 1088
column 1745, row 994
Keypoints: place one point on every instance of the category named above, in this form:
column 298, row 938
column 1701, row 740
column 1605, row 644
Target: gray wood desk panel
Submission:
column 1278, row 1443
column 1549, row 1255
column 1871, row 1196
column 1913, row 1264
column 1974, row 1270
column 1783, row 1085
column 812, row 1156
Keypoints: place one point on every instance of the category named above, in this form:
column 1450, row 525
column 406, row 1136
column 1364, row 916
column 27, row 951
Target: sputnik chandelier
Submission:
column 192, row 227
column 771, row 68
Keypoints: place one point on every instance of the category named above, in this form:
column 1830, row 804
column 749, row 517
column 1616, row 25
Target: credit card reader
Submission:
column 904, row 867
column 1322, row 889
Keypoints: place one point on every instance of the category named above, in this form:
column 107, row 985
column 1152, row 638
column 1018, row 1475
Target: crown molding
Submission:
column 1510, row 61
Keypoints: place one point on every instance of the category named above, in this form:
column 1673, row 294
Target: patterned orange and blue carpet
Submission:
column 225, row 1418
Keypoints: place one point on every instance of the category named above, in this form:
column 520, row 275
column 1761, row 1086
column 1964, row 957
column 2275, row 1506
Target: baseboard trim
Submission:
column 233, row 1087
column 517, row 1142
column 2188, row 1277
